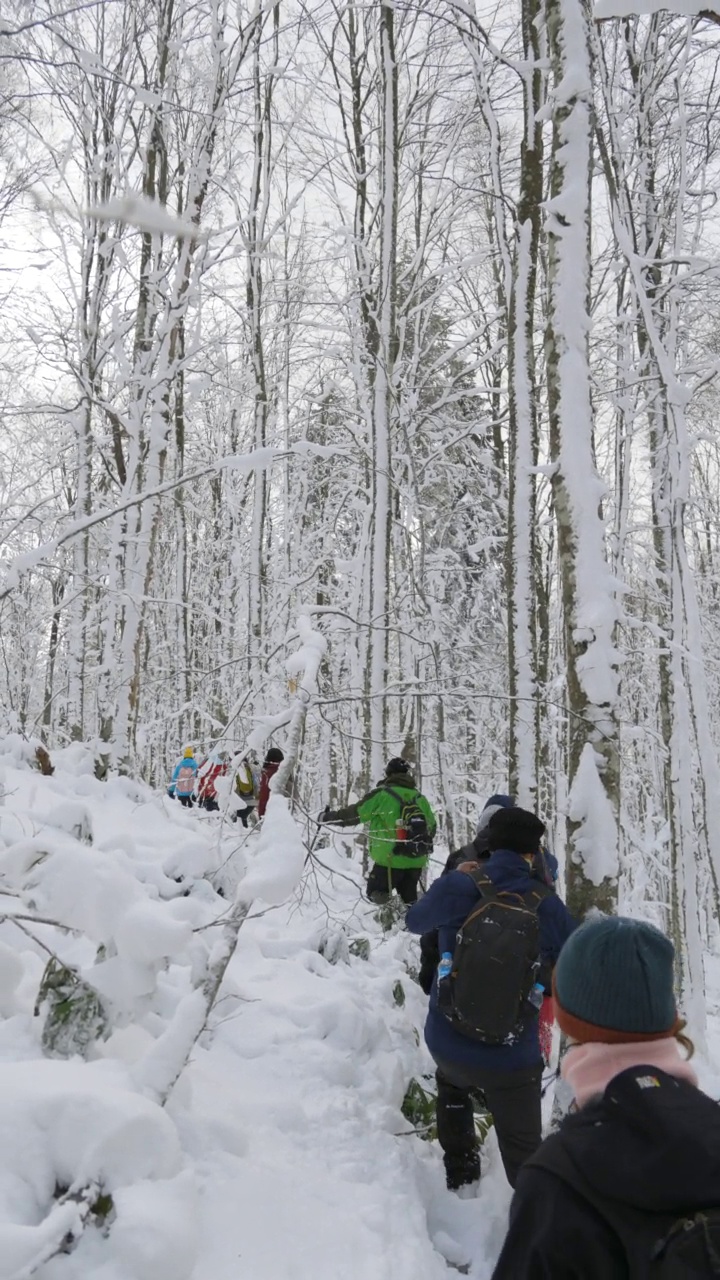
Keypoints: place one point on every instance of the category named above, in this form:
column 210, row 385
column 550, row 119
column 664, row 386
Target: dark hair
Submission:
column 396, row 765
column 274, row 756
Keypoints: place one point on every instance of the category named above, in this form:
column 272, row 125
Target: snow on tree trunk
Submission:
column 588, row 595
column 521, row 553
column 658, row 61
column 383, row 391
column 256, row 224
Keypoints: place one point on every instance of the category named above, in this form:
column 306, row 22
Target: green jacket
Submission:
column 380, row 810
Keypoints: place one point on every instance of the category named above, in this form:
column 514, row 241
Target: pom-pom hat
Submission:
column 613, row 983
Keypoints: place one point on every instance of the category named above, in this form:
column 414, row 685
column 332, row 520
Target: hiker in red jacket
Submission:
column 216, row 766
column 273, row 760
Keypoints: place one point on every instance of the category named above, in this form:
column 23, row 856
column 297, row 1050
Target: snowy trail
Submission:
column 285, row 1152
column 282, row 1153
column 293, row 1113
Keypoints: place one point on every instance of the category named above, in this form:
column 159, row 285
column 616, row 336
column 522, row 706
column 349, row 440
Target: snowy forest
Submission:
column 358, row 393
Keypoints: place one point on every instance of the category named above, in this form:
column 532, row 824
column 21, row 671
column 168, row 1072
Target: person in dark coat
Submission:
column 642, row 1148
column 273, row 760
column 544, row 869
column 509, row 1076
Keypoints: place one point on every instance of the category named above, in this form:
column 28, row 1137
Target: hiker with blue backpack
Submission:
column 182, row 783
column 629, row 1186
column 401, row 828
column 500, row 932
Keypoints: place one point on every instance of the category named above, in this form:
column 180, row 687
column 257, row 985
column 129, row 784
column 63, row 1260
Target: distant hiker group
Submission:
column 198, row 783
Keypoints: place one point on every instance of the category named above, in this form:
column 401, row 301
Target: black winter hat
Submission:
column 396, row 765
column 515, row 829
column 274, row 756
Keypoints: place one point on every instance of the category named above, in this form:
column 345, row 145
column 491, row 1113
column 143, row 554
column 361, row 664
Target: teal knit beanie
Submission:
column 613, row 983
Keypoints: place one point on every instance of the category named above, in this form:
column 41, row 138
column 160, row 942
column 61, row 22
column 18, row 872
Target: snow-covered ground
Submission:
column 282, row 1152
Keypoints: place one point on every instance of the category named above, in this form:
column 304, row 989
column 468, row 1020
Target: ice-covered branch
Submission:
column 257, row 460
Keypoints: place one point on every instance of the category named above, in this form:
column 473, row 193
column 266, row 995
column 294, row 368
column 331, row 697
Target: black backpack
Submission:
column 495, row 963
column 690, row 1250
column 418, row 841
column 658, row 1246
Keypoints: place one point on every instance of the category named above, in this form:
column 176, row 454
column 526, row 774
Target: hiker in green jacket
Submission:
column 401, row 829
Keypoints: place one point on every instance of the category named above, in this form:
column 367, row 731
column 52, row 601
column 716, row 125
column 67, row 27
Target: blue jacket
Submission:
column 546, row 866
column 185, row 788
column 446, row 905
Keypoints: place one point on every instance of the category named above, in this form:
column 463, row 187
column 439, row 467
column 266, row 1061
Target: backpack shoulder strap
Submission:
column 482, row 881
column 488, row 889
column 396, row 796
column 533, row 897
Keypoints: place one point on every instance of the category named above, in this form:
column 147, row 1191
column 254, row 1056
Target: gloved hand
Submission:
column 325, row 816
column 171, row 792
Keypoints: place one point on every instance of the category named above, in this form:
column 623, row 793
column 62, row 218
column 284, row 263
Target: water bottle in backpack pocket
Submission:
column 444, row 984
column 535, row 998
column 412, row 835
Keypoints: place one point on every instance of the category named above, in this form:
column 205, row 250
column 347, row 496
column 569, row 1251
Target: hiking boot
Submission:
column 462, row 1174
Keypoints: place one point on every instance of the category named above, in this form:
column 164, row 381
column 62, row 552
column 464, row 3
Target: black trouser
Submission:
column 186, row 801
column 210, row 804
column 512, row 1098
column 382, row 881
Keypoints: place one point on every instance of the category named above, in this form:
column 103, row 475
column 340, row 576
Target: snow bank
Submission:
column 155, row 1235
column 282, row 1150
column 70, row 816
column 280, row 857
column 147, row 932
column 595, row 842
column 67, row 1125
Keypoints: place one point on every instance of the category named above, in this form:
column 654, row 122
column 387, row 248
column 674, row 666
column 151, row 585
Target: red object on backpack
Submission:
column 545, row 1028
column 207, row 789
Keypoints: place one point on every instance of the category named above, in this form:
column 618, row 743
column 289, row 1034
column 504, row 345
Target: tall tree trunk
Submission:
column 383, row 393
column 521, row 550
column 257, row 217
column 588, row 595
